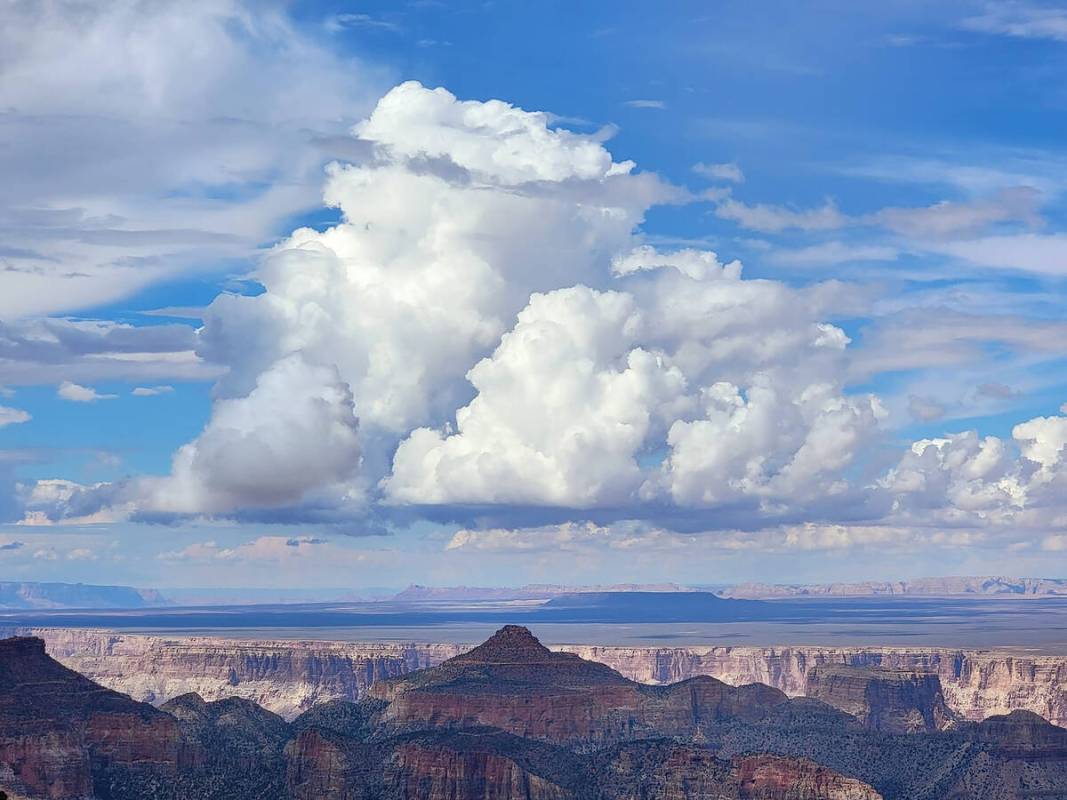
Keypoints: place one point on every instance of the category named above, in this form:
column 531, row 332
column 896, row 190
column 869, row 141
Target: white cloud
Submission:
column 338, row 22
column 49, row 350
column 294, row 434
column 151, row 391
column 1045, row 254
column 143, row 139
column 266, row 550
column 563, row 406
column 774, row 219
column 13, row 416
column 589, row 381
column 469, row 208
column 1012, row 484
column 633, row 539
column 952, row 219
column 720, row 172
column 656, row 104
column 76, row 393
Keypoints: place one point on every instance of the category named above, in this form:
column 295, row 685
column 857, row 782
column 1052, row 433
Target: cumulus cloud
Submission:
column 486, row 329
column 693, row 364
column 468, row 209
column 986, row 481
column 77, row 393
column 295, row 433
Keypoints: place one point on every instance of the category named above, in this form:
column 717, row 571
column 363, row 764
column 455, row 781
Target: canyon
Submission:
column 289, row 677
column 511, row 719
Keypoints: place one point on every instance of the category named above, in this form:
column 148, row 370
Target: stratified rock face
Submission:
column 284, row 677
column 288, row 677
column 61, row 734
column 765, row 777
column 893, row 701
column 475, row 765
column 513, row 683
column 1024, row 735
column 976, row 683
column 663, row 769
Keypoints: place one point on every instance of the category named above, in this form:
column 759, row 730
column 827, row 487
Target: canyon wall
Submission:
column 288, row 677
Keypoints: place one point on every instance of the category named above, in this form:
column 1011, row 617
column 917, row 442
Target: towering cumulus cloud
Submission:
column 486, row 327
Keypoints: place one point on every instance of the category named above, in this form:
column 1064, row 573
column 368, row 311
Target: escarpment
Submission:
column 513, row 720
column 288, row 677
column 894, row 701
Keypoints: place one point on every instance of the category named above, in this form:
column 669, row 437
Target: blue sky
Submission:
column 891, row 178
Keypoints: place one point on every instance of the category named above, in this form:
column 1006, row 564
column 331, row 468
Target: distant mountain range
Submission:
column 29, row 595
column 932, row 587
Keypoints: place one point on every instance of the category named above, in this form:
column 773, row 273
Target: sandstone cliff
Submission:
column 894, row 701
column 976, row 683
column 510, row 720
column 285, row 677
column 288, row 677
column 63, row 736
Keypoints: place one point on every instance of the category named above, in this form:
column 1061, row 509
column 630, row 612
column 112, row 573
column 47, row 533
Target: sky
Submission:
column 363, row 294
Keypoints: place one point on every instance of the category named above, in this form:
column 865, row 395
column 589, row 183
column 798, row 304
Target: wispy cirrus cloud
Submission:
column 1021, row 20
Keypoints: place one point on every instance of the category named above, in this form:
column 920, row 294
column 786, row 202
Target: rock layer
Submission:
column 288, row 677
column 893, row 701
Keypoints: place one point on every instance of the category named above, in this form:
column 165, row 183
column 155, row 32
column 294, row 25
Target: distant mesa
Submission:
column 32, row 595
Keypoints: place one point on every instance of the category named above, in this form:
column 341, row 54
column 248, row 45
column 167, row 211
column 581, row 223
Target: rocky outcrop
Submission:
column 63, row 736
column 515, row 684
column 645, row 770
column 889, row 700
column 764, row 777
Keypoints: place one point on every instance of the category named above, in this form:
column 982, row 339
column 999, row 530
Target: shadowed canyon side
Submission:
column 513, row 720
column 288, row 677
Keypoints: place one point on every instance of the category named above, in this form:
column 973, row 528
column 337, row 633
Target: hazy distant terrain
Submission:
column 29, row 595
